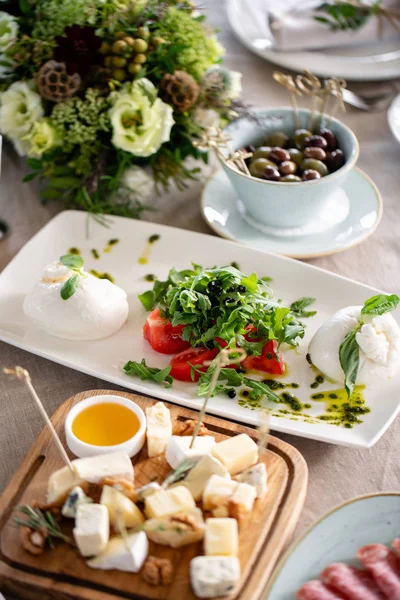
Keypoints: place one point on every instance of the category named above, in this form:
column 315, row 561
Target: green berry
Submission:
column 119, row 35
column 157, row 41
column 140, row 59
column 119, row 74
column 119, row 46
column 108, row 61
column 134, row 68
column 140, row 46
column 130, row 41
column 118, row 61
column 104, row 48
column 143, row 33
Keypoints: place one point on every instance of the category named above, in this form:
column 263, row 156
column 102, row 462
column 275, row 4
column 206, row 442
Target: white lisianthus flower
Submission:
column 20, row 108
column 136, row 183
column 141, row 122
column 41, row 138
column 206, row 117
column 222, row 82
column 8, row 31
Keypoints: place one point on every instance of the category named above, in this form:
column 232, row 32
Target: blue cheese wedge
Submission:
column 176, row 530
column 76, row 497
column 178, row 448
column 147, row 490
column 168, row 502
column 213, row 576
column 236, row 453
column 221, row 537
column 255, row 476
column 159, row 428
column 123, row 553
column 122, row 511
column 92, row 529
column 198, row 477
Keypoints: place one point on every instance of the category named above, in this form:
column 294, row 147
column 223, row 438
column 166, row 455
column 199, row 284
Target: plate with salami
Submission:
column 353, row 552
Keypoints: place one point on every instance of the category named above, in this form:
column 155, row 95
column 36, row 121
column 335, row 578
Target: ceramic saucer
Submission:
column 353, row 213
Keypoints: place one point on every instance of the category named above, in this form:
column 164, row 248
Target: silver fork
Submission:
column 377, row 103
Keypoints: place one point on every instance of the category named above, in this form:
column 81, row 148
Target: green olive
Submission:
column 119, row 46
column 261, row 152
column 258, row 165
column 296, row 156
column 143, row 33
column 277, row 138
column 315, row 165
column 118, row 61
column 119, row 74
column 140, row 46
column 300, row 136
column 134, row 68
column 140, row 59
column 290, row 178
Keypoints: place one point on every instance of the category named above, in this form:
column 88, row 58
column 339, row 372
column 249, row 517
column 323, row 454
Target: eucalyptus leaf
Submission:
column 380, row 304
column 72, row 261
column 349, row 356
column 70, row 286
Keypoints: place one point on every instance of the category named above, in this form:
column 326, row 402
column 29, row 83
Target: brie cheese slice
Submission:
column 92, row 529
column 178, row 448
column 123, row 554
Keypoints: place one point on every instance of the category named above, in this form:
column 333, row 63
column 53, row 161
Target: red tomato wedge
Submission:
column 264, row 363
column 180, row 364
column 162, row 336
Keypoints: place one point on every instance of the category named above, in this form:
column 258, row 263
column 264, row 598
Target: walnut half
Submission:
column 186, row 521
column 187, row 428
column 157, row 571
column 125, row 486
column 33, row 540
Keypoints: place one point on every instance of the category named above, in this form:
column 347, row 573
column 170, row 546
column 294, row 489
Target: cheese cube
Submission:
column 123, row 554
column 236, row 453
column 92, row 529
column 255, row 476
column 197, row 477
column 159, row 428
column 60, row 484
column 178, row 448
column 76, row 497
column 176, row 530
column 221, row 493
column 169, row 502
column 213, row 576
column 121, row 510
column 96, row 468
column 147, row 490
column 221, row 537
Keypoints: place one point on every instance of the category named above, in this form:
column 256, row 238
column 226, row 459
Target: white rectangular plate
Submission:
column 177, row 247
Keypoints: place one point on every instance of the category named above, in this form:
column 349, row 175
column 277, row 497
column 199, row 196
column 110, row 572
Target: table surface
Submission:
column 336, row 473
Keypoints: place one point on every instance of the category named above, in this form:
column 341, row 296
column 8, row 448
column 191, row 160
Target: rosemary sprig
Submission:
column 38, row 519
column 178, row 473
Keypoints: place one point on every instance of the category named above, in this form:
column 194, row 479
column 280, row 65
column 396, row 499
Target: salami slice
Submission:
column 315, row 590
column 381, row 562
column 396, row 546
column 350, row 582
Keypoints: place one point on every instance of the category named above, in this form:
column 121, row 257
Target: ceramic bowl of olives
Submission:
column 293, row 172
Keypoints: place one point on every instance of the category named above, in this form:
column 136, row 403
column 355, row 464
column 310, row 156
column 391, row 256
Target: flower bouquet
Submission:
column 107, row 97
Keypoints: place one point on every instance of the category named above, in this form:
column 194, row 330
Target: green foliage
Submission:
column 53, row 16
column 298, row 307
column 197, row 51
column 380, row 304
column 342, row 16
column 144, row 372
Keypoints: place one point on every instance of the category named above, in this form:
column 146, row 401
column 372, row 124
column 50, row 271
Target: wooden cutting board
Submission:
column 62, row 574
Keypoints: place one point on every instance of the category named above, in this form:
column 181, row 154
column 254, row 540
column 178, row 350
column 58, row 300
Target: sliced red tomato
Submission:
column 180, row 364
column 162, row 336
column 264, row 362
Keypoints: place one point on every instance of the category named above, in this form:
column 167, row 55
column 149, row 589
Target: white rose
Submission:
column 8, row 31
column 41, row 138
column 141, row 122
column 20, row 108
column 206, row 117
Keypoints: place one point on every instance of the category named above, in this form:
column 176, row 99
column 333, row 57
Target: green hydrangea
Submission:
column 198, row 50
column 53, row 16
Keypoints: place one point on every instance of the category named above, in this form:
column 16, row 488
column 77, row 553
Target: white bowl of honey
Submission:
column 104, row 424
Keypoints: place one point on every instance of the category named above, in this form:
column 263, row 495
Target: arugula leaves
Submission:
column 349, row 350
column 297, row 308
column 149, row 373
column 75, row 263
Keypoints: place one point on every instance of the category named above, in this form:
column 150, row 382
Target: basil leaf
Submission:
column 70, row 286
column 297, row 308
column 349, row 356
column 72, row 261
column 380, row 304
column 148, row 299
column 144, row 372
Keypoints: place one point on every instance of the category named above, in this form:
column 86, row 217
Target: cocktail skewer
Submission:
column 288, row 82
column 310, row 85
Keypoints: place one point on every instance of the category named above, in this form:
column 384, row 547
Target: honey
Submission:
column 105, row 424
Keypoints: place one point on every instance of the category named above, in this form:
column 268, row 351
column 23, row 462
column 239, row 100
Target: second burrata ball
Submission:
column 97, row 309
column 378, row 339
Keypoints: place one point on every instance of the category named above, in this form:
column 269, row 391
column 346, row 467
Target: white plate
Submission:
column 177, row 247
column 353, row 214
column 336, row 538
column 357, row 64
column 394, row 117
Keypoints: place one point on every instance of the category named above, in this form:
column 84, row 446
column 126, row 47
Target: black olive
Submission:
column 230, row 300
column 218, row 290
column 231, row 289
column 211, row 286
column 231, row 393
column 210, row 345
column 241, row 289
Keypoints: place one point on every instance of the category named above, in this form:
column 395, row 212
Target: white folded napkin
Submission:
column 291, row 26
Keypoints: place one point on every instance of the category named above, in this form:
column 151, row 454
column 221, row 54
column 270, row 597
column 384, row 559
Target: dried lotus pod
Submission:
column 54, row 82
column 179, row 89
